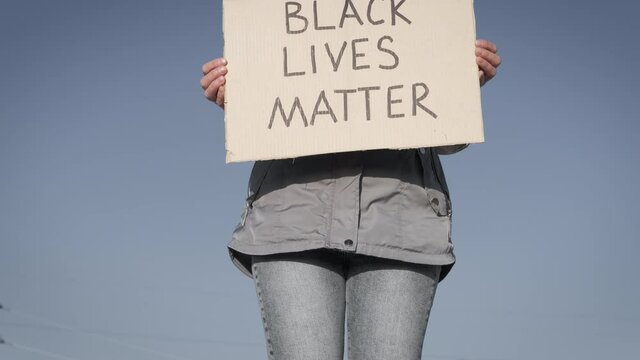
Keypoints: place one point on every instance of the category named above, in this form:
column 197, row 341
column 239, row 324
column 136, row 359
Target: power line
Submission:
column 165, row 338
column 444, row 357
column 39, row 351
column 154, row 288
column 98, row 335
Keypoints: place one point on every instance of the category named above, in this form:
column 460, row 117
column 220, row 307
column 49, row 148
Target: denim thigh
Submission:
column 388, row 303
column 305, row 295
column 302, row 301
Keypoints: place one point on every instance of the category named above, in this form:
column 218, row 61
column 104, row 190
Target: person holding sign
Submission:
column 389, row 214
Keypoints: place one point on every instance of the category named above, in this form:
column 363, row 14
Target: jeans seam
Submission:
column 346, row 261
column 262, row 312
column 346, row 308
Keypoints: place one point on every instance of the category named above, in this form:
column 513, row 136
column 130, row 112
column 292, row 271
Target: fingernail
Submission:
column 224, row 61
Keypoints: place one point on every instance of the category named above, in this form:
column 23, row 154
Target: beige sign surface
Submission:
column 309, row 77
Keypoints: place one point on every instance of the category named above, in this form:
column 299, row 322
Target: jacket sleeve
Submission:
column 450, row 149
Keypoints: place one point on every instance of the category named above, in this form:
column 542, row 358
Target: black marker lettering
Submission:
column 313, row 59
column 394, row 101
column 394, row 12
column 349, row 4
column 315, row 18
column 373, row 22
column 416, row 100
column 334, row 62
column 286, row 66
column 295, row 15
column 388, row 51
column 287, row 120
column 345, row 94
column 322, row 98
column 367, row 103
column 356, row 54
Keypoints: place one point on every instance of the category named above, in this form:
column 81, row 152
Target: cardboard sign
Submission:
column 310, row 77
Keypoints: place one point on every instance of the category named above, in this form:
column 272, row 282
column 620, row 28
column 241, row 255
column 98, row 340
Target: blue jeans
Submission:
column 305, row 295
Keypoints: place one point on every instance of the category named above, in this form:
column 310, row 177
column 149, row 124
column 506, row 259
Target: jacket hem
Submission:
column 240, row 254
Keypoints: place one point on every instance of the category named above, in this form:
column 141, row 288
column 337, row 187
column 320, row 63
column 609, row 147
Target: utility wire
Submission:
column 38, row 351
column 164, row 338
column 101, row 334
column 98, row 335
column 155, row 288
column 444, row 357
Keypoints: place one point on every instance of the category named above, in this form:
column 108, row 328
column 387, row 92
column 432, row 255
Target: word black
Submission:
column 297, row 23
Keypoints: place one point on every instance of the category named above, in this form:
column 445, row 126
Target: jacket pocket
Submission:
column 433, row 183
column 435, row 186
column 439, row 202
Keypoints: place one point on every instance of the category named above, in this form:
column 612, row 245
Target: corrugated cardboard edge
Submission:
column 231, row 158
column 229, row 155
column 475, row 36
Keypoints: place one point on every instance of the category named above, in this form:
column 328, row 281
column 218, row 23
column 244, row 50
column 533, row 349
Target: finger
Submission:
column 486, row 44
column 220, row 96
column 213, row 64
column 482, row 77
column 212, row 75
column 492, row 58
column 211, row 92
column 488, row 69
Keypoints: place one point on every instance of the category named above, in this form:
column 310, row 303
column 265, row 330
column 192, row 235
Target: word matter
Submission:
column 323, row 105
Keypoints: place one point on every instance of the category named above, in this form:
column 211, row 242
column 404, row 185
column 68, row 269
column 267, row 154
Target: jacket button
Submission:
column 348, row 242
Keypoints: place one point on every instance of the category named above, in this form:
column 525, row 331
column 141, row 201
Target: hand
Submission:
column 213, row 80
column 488, row 60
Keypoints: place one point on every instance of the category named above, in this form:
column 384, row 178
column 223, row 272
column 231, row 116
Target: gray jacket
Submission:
column 386, row 203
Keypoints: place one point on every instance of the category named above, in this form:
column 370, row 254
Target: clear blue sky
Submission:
column 116, row 205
